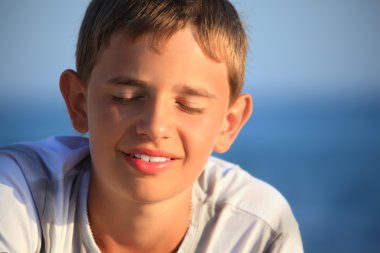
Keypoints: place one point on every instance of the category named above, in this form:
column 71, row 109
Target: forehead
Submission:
column 179, row 59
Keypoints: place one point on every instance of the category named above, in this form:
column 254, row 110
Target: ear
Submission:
column 74, row 93
column 237, row 115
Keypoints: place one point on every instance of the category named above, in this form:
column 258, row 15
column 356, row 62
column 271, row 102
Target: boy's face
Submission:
column 155, row 117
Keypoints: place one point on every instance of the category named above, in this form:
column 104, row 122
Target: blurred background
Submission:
column 313, row 70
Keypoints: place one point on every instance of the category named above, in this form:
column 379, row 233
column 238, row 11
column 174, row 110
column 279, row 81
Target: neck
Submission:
column 123, row 225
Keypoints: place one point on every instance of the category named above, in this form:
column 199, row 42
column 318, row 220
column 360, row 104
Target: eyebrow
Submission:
column 196, row 92
column 126, row 81
column 181, row 88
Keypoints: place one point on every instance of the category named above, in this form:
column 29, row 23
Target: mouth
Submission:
column 152, row 159
column 150, row 162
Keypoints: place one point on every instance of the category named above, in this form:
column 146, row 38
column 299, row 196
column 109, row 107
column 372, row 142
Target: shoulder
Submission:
column 32, row 169
column 27, row 170
column 236, row 212
column 226, row 185
column 51, row 158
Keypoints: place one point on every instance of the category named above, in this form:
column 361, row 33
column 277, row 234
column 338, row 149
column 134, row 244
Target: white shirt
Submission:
column 44, row 188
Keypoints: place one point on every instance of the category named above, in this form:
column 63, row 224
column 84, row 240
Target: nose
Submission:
column 155, row 122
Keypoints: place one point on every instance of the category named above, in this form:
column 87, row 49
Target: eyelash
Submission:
column 123, row 100
column 190, row 110
column 185, row 108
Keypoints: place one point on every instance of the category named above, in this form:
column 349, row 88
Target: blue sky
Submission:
column 308, row 47
column 298, row 47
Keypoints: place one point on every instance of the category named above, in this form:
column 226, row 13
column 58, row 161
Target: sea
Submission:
column 323, row 155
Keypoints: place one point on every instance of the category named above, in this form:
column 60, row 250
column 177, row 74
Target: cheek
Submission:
column 202, row 133
column 104, row 131
column 101, row 114
column 104, row 119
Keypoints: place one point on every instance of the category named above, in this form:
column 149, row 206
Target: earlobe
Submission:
column 238, row 114
column 74, row 94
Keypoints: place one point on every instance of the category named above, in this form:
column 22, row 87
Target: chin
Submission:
column 151, row 193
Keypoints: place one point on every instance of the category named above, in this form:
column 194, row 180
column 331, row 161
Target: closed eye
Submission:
column 189, row 109
column 128, row 100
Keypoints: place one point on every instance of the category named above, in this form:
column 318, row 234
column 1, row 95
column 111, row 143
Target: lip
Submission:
column 151, row 152
column 146, row 167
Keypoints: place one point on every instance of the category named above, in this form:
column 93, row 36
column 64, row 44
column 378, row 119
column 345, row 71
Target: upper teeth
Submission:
column 147, row 158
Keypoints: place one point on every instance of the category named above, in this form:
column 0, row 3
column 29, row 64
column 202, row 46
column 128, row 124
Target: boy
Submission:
column 157, row 88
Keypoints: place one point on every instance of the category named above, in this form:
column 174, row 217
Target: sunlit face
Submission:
column 154, row 117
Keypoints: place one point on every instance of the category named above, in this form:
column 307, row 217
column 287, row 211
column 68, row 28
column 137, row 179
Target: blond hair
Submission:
column 216, row 22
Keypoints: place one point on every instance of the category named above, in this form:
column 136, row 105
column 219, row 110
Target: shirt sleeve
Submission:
column 286, row 243
column 289, row 240
column 19, row 223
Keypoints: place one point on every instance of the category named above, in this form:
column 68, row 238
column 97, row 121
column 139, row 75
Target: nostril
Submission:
column 153, row 129
column 155, row 121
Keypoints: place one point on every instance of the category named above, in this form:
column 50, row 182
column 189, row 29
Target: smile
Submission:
column 152, row 159
column 149, row 164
